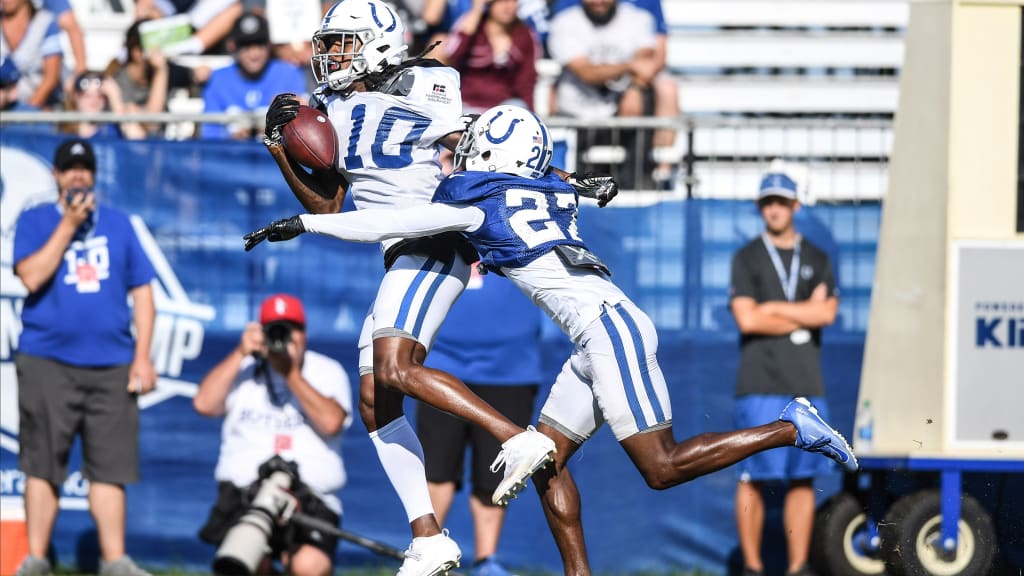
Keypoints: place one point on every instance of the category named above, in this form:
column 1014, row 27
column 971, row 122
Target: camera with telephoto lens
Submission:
column 277, row 336
column 248, row 541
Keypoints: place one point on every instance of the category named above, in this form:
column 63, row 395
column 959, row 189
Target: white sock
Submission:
column 401, row 455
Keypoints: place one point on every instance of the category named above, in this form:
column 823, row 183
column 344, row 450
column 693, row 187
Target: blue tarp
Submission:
column 194, row 201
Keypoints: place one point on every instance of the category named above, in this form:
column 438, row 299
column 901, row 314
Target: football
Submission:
column 310, row 140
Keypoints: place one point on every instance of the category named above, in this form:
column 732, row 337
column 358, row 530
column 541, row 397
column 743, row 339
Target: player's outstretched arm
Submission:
column 379, row 225
column 276, row 231
column 319, row 192
column 372, row 225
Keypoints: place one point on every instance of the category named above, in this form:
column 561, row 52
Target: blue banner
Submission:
column 191, row 203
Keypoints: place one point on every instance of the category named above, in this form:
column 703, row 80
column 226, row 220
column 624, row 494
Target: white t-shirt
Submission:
column 573, row 35
column 260, row 422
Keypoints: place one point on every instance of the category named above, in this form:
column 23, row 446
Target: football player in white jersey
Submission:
column 522, row 220
column 391, row 117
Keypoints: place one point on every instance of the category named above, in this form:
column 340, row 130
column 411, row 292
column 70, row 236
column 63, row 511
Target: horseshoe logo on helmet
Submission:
column 500, row 139
column 373, row 12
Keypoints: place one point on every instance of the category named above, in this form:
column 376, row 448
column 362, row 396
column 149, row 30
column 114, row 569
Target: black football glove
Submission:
column 283, row 109
column 590, row 185
column 277, row 231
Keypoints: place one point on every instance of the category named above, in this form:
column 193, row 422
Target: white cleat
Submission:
column 431, row 556
column 522, row 455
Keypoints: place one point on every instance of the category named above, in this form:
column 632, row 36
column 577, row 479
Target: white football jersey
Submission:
column 388, row 142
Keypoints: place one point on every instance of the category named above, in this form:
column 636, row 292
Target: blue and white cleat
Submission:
column 522, row 455
column 815, row 435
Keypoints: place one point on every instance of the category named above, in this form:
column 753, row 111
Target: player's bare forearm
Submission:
column 807, row 313
column 318, row 192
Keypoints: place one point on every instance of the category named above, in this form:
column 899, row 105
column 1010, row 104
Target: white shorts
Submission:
column 414, row 297
column 612, row 376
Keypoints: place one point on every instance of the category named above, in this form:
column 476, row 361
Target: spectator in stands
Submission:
column 298, row 52
column 782, row 293
column 9, row 77
column 92, row 92
column 279, row 398
column 491, row 323
column 66, row 20
column 495, row 53
column 252, row 81
column 31, row 38
column 666, row 89
column 80, row 370
column 146, row 77
column 211, row 21
column 611, row 57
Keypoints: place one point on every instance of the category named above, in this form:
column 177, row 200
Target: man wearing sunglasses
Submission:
column 782, row 293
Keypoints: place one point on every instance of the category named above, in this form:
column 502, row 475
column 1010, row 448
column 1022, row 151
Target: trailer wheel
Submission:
column 909, row 547
column 840, row 535
column 889, row 531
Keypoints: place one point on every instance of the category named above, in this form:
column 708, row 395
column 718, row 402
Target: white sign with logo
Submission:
column 986, row 346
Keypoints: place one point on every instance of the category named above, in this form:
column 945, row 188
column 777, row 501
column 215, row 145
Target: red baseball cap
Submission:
column 282, row 307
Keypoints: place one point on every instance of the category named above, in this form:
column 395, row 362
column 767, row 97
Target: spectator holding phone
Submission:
column 79, row 367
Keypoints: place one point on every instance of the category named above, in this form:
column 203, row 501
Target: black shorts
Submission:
column 57, row 401
column 232, row 503
column 445, row 438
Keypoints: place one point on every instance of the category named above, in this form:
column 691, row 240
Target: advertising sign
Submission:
column 987, row 346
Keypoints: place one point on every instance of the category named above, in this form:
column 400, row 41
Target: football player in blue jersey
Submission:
column 391, row 117
column 522, row 220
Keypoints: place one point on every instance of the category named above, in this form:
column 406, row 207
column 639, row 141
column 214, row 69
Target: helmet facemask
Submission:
column 356, row 39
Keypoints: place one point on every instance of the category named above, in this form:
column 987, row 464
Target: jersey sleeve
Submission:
column 828, row 277
column 459, row 188
column 331, row 381
column 437, row 93
column 741, row 282
column 29, row 235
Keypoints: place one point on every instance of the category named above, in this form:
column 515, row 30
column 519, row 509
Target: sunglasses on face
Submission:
column 86, row 82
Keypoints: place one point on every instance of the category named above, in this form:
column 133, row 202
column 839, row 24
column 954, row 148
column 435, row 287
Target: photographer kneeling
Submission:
column 279, row 399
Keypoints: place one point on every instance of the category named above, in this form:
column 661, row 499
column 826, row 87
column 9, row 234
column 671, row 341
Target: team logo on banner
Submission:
column 26, row 180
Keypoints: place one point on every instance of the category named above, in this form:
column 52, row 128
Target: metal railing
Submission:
column 834, row 160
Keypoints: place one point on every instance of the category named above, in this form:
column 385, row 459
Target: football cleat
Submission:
column 813, row 434
column 431, row 556
column 522, row 455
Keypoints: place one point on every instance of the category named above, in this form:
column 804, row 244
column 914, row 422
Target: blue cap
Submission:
column 9, row 73
column 777, row 184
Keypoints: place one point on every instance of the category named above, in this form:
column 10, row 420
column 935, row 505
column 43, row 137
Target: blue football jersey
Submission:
column 524, row 217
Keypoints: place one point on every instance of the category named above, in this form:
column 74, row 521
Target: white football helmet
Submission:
column 507, row 139
column 356, row 38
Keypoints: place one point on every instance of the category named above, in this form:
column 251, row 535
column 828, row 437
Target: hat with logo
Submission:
column 250, row 29
column 9, row 73
column 74, row 151
column 282, row 308
column 777, row 184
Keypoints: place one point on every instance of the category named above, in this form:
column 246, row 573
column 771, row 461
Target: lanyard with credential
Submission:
column 788, row 282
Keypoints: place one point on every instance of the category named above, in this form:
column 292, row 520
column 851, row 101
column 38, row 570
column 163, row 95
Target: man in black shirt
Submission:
column 782, row 292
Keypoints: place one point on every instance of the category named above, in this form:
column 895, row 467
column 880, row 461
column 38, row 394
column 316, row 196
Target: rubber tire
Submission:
column 918, row 520
column 889, row 531
column 833, row 551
